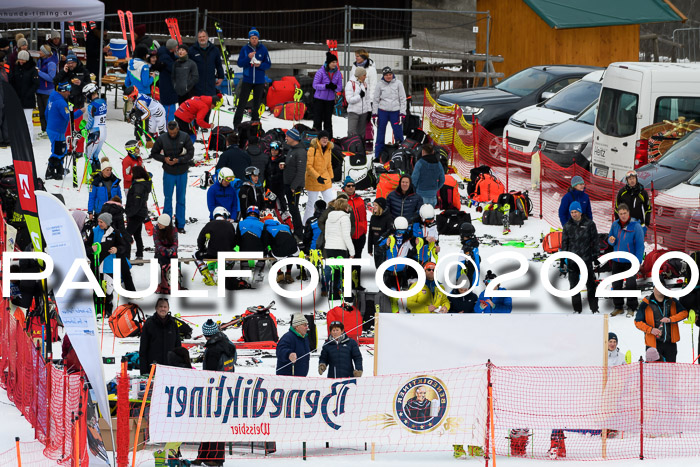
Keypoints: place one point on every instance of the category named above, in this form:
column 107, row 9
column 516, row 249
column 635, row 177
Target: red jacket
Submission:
column 351, row 319
column 359, row 216
column 128, row 163
column 195, row 108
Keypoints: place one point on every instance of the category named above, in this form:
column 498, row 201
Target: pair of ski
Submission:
column 71, row 28
column 130, row 19
column 238, row 320
column 174, row 29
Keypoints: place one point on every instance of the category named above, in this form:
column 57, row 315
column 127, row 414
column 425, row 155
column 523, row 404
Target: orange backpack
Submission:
column 552, row 242
column 387, row 184
column 127, row 320
column 488, row 188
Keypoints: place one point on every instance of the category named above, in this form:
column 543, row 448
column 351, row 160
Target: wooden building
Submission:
column 560, row 32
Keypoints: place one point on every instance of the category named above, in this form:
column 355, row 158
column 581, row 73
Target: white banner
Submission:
column 424, row 342
column 64, row 244
column 437, row 408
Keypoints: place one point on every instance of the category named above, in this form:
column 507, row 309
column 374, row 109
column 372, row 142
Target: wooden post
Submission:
column 376, row 353
column 604, row 433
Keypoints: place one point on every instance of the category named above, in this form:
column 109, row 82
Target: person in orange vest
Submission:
column 658, row 317
column 194, row 113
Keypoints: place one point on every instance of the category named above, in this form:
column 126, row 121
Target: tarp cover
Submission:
column 14, row 11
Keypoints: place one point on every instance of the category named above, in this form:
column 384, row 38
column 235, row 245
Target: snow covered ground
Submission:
column 197, row 311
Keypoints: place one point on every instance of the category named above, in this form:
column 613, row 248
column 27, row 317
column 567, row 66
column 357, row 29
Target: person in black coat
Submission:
column 251, row 193
column 158, row 337
column 380, row 224
column 115, row 208
column 217, row 235
column 78, row 75
column 274, row 178
column 137, row 206
column 24, row 78
column 293, row 349
column 340, row 354
column 258, row 157
column 580, row 237
column 636, row 198
column 234, row 157
column 465, row 303
column 166, row 61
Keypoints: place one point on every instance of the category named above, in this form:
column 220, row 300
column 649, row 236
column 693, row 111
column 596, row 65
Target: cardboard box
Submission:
column 107, row 437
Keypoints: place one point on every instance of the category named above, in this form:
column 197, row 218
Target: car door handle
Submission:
column 613, row 149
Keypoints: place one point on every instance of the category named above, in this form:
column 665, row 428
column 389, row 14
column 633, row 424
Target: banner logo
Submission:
column 421, row 404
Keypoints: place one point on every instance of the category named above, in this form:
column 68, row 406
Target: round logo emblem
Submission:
column 421, row 404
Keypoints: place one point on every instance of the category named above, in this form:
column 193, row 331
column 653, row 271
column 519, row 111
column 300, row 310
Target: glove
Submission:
column 321, row 180
column 403, row 118
column 270, row 195
column 133, row 118
column 362, row 93
column 374, row 119
column 357, row 373
column 321, row 368
column 331, row 86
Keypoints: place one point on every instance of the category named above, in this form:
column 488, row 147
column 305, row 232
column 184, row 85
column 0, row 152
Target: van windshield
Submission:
column 683, row 155
column 670, row 108
column 617, row 113
column 574, row 98
column 525, row 82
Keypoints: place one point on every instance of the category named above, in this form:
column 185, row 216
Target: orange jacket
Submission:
column 646, row 322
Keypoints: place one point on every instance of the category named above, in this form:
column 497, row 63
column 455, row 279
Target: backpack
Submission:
column 337, row 158
column 402, row 161
column 449, row 221
column 270, row 136
column 301, row 128
column 522, row 203
column 387, row 183
column 247, row 129
column 307, row 136
column 385, row 155
column 409, row 143
column 473, row 175
column 127, row 320
column 443, row 157
column 352, row 143
column 552, row 242
column 34, row 325
column 448, row 195
column 289, row 110
column 417, row 135
column 488, row 188
column 217, row 141
column 259, row 326
column 184, row 330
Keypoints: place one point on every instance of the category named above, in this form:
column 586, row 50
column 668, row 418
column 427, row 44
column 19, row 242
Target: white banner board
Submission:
column 422, row 342
column 435, row 408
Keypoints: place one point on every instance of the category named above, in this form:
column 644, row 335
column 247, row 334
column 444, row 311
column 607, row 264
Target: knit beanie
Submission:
column 23, row 55
column 575, row 206
column 22, row 42
column 210, row 328
column 298, row 319
column 140, row 30
column 55, row 34
column 359, row 71
column 46, row 50
column 576, row 180
column 612, row 335
column 347, row 180
column 330, row 58
column 652, row 355
column 381, row 202
column 106, row 218
column 106, row 164
column 294, row 134
column 164, row 219
column 253, row 32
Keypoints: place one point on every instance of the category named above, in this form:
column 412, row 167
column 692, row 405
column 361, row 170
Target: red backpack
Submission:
column 488, row 188
column 290, row 110
column 127, row 320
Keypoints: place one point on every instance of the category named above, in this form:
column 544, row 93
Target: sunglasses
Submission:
column 430, row 270
column 350, row 185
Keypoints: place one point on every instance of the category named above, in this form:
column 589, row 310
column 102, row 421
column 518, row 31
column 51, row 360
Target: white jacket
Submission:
column 337, row 234
column 357, row 104
column 615, row 357
column 371, row 80
column 389, row 97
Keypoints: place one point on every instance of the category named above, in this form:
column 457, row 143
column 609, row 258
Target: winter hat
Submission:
column 171, row 44
column 575, row 206
column 298, row 319
column 23, row 55
column 429, row 264
column 386, row 70
column 381, row 202
column 210, row 328
column 106, row 218
column 22, row 42
column 652, row 355
column 72, row 58
column 253, row 32
column 577, row 180
column 323, row 133
column 55, row 34
column 46, row 50
column 320, row 205
column 359, row 71
column 164, row 219
column 612, row 335
column 105, row 165
column 294, row 134
column 330, row 58
column 140, row 30
column 347, row 180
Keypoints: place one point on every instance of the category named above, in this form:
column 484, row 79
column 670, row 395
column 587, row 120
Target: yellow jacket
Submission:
column 419, row 302
column 318, row 164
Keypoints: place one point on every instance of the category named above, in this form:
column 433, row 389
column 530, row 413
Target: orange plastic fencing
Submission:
column 674, row 224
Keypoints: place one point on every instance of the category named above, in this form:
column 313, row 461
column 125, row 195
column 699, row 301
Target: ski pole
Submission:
column 115, row 149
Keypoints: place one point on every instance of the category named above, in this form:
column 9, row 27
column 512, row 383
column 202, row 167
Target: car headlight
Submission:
column 571, row 147
column 472, row 110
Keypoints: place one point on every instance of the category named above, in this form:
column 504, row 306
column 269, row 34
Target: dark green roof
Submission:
column 566, row 14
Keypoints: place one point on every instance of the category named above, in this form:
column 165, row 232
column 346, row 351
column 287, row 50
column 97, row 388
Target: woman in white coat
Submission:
column 359, row 102
column 337, row 234
column 362, row 60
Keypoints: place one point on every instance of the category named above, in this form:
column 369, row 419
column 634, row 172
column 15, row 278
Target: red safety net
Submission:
column 674, row 223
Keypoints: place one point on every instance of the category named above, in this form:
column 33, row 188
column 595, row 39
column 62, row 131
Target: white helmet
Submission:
column 221, row 211
column 89, row 89
column 400, row 223
column 427, row 212
column 224, row 173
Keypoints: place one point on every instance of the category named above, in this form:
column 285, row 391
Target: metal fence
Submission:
column 689, row 39
column 188, row 20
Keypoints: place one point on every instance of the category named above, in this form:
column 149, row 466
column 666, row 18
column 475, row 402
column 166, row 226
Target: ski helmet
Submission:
column 132, row 147
column 400, row 223
column 226, row 174
column 221, row 211
column 427, row 212
column 253, row 210
column 466, row 230
column 251, row 171
column 131, row 93
column 88, row 90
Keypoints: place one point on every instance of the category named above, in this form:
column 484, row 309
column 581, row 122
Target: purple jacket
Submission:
column 324, row 77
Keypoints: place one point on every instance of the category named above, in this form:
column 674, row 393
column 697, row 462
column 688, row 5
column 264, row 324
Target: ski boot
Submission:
column 506, row 219
column 459, row 451
column 164, row 286
column 557, row 447
column 288, row 277
column 280, row 277
column 519, row 439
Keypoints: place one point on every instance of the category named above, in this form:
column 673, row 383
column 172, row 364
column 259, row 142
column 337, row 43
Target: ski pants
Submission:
column 327, row 195
column 94, row 148
column 176, row 183
column 574, row 275
column 630, row 284
column 323, row 114
column 384, row 117
column 170, row 112
column 57, row 150
column 243, row 102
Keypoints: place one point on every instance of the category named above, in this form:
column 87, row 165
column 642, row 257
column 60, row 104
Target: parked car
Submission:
column 685, row 227
column 676, row 166
column 525, row 125
column 570, row 141
column 494, row 105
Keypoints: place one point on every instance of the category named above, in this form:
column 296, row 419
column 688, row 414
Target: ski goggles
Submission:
column 229, row 179
column 275, row 145
column 64, row 87
column 132, row 148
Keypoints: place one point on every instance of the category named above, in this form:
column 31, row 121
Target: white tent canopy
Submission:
column 45, row 11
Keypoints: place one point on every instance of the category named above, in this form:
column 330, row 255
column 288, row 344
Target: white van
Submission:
column 633, row 96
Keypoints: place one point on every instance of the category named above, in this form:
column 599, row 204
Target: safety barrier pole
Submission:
column 541, row 182
column 612, row 190
column 488, row 413
column 641, row 408
column 19, row 455
column 143, row 408
column 507, row 161
column 653, row 214
column 123, row 416
column 475, row 140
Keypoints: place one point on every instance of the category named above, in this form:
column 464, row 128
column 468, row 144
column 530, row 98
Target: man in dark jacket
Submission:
column 175, row 150
column 581, row 238
column 465, row 303
column 294, row 177
column 78, row 75
column 234, row 157
column 159, row 336
column 166, row 61
column 24, row 78
column 658, row 317
column 340, row 354
column 636, row 198
column 404, row 201
column 184, row 75
column 209, row 65
column 254, row 59
column 293, row 349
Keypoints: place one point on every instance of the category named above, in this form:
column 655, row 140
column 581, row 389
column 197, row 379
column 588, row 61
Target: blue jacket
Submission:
column 139, row 75
column 574, row 195
column 57, row 114
column 428, row 177
column 218, row 195
column 108, row 262
column 208, row 62
column 251, row 224
column 342, row 357
column 47, row 72
column 168, row 96
column 253, row 74
column 292, row 342
column 503, row 304
column 629, row 238
column 100, row 194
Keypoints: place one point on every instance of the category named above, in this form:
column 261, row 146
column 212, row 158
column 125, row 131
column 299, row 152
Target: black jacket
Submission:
column 295, row 171
column 274, row 179
column 637, row 199
column 137, row 198
column 180, row 148
column 581, row 239
column 159, row 336
column 340, row 357
column 222, row 237
column 259, row 159
column 235, row 159
column 25, row 80
column 213, row 350
column 404, row 205
column 112, row 238
column 378, row 227
column 117, row 212
column 76, row 92
column 463, row 304
column 250, row 195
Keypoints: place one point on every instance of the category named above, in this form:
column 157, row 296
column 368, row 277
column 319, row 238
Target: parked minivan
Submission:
column 633, row 96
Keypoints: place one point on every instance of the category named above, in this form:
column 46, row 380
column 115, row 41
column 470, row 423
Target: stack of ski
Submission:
column 71, row 28
column 224, row 55
column 174, row 29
